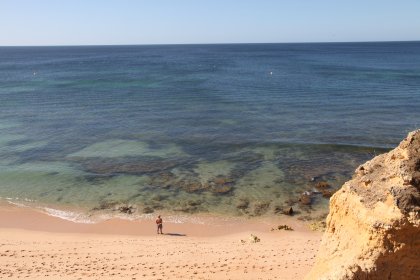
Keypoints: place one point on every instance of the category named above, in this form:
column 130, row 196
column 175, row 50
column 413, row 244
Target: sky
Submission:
column 115, row 22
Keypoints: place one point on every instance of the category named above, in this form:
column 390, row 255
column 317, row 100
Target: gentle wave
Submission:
column 68, row 215
column 83, row 218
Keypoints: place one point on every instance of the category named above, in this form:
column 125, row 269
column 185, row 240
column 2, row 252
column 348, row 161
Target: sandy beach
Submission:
column 36, row 246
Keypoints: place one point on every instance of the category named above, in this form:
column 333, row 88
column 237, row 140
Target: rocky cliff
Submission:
column 373, row 228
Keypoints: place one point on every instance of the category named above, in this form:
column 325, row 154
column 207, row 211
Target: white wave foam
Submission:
column 78, row 217
column 16, row 203
column 65, row 215
column 18, row 199
column 68, row 215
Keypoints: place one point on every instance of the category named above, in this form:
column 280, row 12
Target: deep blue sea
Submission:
column 237, row 130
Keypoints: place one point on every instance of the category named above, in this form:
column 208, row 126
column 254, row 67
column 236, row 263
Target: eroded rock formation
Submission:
column 373, row 228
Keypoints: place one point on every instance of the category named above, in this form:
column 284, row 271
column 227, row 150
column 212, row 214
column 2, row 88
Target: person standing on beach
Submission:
column 159, row 223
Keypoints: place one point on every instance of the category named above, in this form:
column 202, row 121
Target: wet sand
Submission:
column 36, row 246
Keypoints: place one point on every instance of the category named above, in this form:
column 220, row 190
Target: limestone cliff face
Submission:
column 373, row 228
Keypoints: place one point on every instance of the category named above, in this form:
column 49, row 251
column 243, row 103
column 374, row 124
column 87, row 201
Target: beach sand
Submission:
column 36, row 246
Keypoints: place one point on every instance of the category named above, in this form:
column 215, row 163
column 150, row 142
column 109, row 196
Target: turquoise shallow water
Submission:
column 234, row 130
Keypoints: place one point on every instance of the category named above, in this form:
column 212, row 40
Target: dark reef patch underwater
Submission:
column 233, row 130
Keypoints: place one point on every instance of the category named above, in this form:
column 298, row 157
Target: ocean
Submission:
column 235, row 130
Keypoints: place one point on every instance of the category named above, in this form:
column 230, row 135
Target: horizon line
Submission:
column 231, row 43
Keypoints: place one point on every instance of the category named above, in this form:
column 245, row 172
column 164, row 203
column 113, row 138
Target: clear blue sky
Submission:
column 87, row 22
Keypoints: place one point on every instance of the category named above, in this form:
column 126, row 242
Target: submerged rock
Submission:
column 162, row 179
column 221, row 189
column 243, row 204
column 325, row 189
column 148, row 210
column 281, row 210
column 119, row 206
column 220, row 180
column 291, row 201
column 125, row 166
column 327, row 193
column 221, row 185
column 190, row 206
column 261, row 208
column 373, row 227
column 305, row 198
column 194, row 203
column 278, row 209
column 322, row 185
column 192, row 186
column 127, row 209
column 104, row 205
column 158, row 198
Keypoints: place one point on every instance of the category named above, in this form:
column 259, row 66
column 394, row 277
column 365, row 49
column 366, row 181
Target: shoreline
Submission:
column 23, row 217
column 39, row 246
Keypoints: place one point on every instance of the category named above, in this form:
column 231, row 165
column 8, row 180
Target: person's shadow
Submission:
column 174, row 234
